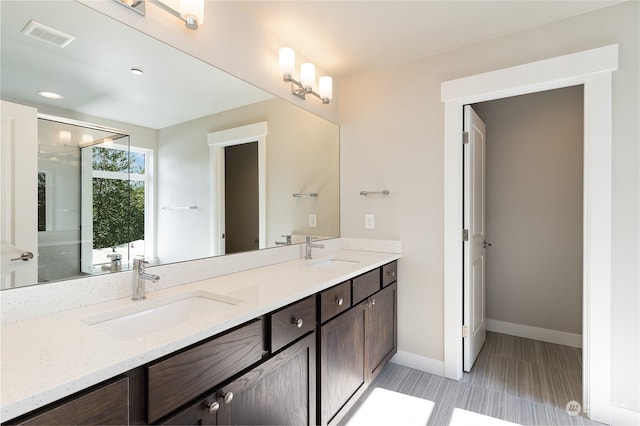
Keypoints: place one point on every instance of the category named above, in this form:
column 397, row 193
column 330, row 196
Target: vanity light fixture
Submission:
column 189, row 11
column 64, row 136
column 303, row 87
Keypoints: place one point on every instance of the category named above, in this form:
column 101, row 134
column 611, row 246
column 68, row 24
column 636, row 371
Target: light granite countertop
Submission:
column 53, row 356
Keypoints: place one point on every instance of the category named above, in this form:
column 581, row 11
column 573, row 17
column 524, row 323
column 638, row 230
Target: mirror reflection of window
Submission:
column 42, row 201
column 92, row 192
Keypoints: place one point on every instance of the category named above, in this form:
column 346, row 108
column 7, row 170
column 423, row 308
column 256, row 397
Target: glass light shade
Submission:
column 65, row 136
column 287, row 61
column 194, row 8
column 325, row 87
column 86, row 140
column 307, row 75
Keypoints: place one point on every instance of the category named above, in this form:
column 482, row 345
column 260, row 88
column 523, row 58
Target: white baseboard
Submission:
column 536, row 333
column 623, row 417
column 419, row 362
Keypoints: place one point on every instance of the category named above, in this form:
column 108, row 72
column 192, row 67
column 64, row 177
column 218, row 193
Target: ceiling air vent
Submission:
column 47, row 34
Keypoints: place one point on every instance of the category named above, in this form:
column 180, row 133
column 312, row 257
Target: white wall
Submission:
column 392, row 136
column 302, row 156
column 534, row 209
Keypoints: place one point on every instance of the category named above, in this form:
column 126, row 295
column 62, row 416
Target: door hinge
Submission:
column 465, row 331
column 465, row 235
column 465, row 138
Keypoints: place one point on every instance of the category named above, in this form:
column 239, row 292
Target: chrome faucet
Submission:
column 116, row 263
column 309, row 246
column 287, row 241
column 139, row 277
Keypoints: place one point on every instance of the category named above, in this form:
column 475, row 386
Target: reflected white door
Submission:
column 19, row 215
column 474, row 248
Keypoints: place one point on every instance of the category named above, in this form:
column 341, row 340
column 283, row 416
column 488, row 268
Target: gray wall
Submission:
column 534, row 209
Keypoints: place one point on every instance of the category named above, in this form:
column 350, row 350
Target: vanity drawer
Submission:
column 180, row 378
column 292, row 322
column 335, row 300
column 389, row 273
column 365, row 285
column 105, row 405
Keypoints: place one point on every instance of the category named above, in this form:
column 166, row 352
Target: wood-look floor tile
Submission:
column 514, row 379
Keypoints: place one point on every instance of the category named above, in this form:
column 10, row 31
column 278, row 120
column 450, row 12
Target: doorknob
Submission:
column 26, row 256
column 485, row 244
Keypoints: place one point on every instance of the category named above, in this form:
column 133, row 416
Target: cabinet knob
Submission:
column 227, row 397
column 339, row 301
column 392, row 273
column 213, row 407
column 298, row 322
column 370, row 302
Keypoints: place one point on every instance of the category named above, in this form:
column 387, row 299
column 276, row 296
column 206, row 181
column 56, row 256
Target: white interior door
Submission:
column 19, row 215
column 474, row 247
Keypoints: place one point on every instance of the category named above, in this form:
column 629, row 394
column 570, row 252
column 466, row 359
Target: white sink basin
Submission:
column 330, row 263
column 137, row 321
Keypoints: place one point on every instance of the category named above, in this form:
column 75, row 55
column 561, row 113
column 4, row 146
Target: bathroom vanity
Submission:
column 293, row 343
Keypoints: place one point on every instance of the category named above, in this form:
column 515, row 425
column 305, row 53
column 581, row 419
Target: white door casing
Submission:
column 474, row 224
column 592, row 68
column 19, row 213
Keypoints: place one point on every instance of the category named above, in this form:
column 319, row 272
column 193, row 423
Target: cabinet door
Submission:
column 381, row 329
column 342, row 361
column 280, row 391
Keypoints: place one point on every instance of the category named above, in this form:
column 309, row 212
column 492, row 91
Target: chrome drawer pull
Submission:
column 339, row 301
column 298, row 322
column 213, row 407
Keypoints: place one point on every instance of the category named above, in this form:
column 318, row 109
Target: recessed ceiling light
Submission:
column 50, row 95
column 136, row 71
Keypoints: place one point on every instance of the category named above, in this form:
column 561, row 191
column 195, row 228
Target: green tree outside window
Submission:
column 118, row 205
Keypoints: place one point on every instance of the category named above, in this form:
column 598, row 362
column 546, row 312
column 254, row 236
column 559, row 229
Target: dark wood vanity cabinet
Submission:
column 279, row 391
column 355, row 345
column 304, row 364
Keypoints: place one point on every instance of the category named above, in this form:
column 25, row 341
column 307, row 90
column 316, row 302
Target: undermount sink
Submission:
column 329, row 263
column 137, row 321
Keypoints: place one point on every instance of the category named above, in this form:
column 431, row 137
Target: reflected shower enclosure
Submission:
column 91, row 199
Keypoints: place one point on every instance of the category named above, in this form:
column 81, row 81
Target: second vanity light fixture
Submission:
column 189, row 11
column 305, row 86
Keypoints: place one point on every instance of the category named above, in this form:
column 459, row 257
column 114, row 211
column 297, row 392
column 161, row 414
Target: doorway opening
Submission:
column 593, row 69
column 241, row 198
column 533, row 227
column 256, row 135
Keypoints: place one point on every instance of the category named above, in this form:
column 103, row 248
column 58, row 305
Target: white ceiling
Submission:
column 93, row 71
column 343, row 38
column 349, row 37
